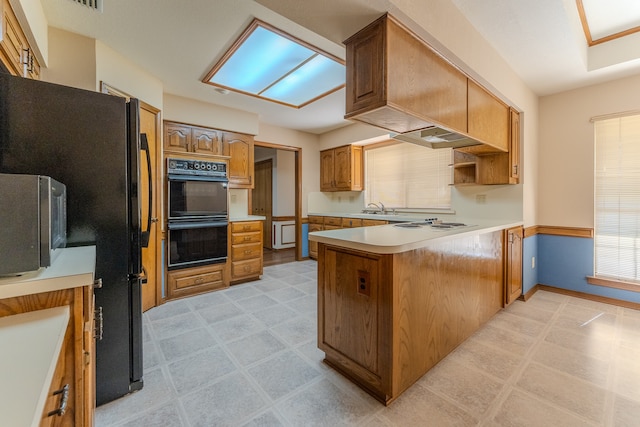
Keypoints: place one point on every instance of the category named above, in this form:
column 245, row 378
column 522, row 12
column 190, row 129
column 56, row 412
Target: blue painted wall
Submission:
column 565, row 262
column 305, row 240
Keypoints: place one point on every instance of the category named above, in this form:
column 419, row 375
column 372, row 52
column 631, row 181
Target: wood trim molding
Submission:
column 612, row 283
column 304, row 220
column 558, row 231
column 587, row 30
column 576, row 294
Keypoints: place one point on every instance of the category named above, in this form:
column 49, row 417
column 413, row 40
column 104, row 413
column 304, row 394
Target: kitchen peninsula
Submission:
column 394, row 300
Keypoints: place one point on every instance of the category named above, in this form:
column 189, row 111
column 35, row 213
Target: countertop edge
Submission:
column 327, row 238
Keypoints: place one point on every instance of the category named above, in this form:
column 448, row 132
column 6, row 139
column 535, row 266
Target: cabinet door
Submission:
column 514, row 148
column 206, row 141
column 177, row 137
column 240, row 149
column 327, row 178
column 313, row 246
column 513, row 285
column 11, row 43
column 488, row 119
column 349, row 301
column 342, row 168
column 365, row 56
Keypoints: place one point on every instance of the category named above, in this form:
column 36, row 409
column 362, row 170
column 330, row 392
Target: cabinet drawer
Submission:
column 351, row 222
column 199, row 279
column 252, row 267
column 241, row 227
column 371, row 222
column 314, row 219
column 248, row 251
column 333, row 220
column 240, row 238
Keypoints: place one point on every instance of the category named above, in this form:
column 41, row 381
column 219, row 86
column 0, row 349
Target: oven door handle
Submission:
column 189, row 177
column 191, row 225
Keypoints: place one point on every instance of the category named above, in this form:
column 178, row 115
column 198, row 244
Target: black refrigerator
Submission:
column 90, row 142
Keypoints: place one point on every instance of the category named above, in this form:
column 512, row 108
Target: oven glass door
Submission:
column 192, row 197
column 197, row 243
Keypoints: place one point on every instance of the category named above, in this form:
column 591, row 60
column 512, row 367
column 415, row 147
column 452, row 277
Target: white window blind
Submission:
column 405, row 175
column 617, row 198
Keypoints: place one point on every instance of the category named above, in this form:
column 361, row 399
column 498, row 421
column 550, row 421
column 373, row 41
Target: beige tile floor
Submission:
column 247, row 356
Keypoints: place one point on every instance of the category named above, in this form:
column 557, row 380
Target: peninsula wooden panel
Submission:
column 421, row 305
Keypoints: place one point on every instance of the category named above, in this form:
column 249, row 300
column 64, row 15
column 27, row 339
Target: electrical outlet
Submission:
column 339, row 199
column 234, row 198
column 533, row 262
column 481, row 199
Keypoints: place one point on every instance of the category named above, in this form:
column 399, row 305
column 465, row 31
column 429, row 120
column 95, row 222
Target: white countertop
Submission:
column 247, row 218
column 390, row 239
column 73, row 268
column 31, row 344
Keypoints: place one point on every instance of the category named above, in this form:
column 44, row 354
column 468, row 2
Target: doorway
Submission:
column 285, row 229
column 262, row 198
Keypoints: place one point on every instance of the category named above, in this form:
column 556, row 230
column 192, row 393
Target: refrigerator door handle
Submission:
column 146, row 235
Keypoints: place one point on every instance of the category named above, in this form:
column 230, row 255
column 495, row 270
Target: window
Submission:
column 617, row 198
column 403, row 175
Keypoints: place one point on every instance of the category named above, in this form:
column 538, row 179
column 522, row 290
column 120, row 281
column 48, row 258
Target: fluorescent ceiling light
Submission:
column 270, row 64
column 603, row 21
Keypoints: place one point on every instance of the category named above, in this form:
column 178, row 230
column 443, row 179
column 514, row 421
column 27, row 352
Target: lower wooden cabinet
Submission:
column 246, row 250
column 513, row 264
column 321, row 223
column 71, row 397
column 196, row 280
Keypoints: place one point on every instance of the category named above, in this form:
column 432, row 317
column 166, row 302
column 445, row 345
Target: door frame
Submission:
column 297, row 188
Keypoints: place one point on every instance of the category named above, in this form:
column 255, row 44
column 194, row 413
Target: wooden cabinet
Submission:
column 239, row 148
column 397, row 82
column 514, row 147
column 246, row 250
column 473, row 167
column 75, row 369
column 183, row 138
column 384, row 320
column 236, row 147
column 15, row 50
column 196, row 280
column 320, row 223
column 342, row 169
column 513, row 264
column 488, row 120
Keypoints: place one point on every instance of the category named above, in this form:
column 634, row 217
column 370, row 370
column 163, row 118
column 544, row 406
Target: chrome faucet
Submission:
column 379, row 207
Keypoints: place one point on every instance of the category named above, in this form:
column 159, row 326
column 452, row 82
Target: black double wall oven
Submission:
column 198, row 212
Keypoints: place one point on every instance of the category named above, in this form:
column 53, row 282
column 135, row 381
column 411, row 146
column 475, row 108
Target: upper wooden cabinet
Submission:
column 397, row 82
column 237, row 147
column 15, row 51
column 488, row 120
column 183, row 138
column 341, row 169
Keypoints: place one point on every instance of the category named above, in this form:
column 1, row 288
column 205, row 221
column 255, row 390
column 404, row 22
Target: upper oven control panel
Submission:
column 196, row 167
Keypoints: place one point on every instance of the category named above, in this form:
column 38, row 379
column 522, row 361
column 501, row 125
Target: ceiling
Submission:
column 179, row 42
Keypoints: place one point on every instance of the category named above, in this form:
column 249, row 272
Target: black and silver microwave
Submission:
column 33, row 222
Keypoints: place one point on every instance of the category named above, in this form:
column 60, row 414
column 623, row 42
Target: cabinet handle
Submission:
column 97, row 284
column 198, row 281
column 63, row 401
column 247, row 252
column 246, row 239
column 515, row 169
column 98, row 317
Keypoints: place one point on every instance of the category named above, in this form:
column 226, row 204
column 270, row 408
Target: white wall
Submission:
column 72, row 60
column 126, row 76
column 284, row 186
column 34, row 24
column 186, row 110
column 567, row 151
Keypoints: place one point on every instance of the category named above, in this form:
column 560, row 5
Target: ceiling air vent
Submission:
column 91, row 4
